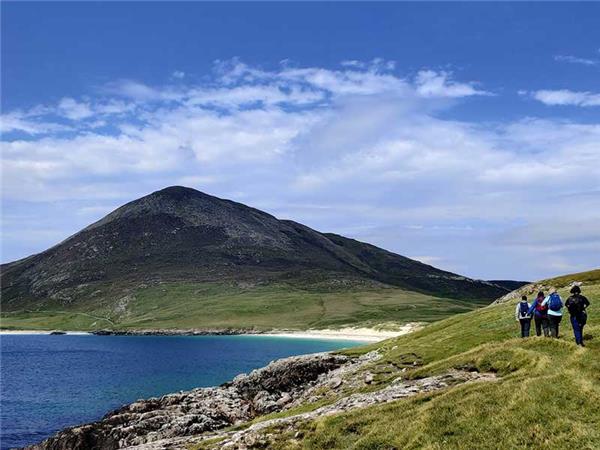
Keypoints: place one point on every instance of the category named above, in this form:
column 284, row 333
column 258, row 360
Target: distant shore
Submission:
column 43, row 332
column 347, row 333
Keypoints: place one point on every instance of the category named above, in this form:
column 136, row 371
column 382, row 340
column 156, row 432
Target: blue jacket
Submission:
column 532, row 310
column 550, row 311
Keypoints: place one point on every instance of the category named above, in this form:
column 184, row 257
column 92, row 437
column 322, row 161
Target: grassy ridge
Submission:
column 547, row 395
column 212, row 305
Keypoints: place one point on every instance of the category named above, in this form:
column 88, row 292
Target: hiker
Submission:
column 577, row 304
column 540, row 315
column 523, row 316
column 555, row 306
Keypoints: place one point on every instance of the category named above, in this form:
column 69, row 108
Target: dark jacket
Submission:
column 576, row 304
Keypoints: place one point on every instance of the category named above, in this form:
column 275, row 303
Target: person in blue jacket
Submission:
column 540, row 315
column 555, row 306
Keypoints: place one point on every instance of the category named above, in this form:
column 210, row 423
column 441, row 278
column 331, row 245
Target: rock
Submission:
column 284, row 399
column 368, row 378
column 335, row 382
column 397, row 390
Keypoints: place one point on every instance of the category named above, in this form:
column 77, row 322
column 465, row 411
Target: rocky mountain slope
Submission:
column 179, row 234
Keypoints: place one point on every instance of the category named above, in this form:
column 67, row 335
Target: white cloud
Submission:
column 74, row 110
column 567, row 97
column 178, row 74
column 114, row 107
column 17, row 121
column 241, row 96
column 358, row 148
column 353, row 63
column 576, row 60
column 141, row 92
column 438, row 84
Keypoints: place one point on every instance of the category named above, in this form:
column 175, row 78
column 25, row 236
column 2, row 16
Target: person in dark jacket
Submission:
column 523, row 316
column 576, row 305
column 540, row 315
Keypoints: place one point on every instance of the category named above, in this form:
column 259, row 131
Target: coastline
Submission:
column 295, row 378
column 43, row 332
column 348, row 333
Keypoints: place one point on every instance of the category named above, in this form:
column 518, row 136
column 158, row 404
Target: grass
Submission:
column 212, row 305
column 547, row 395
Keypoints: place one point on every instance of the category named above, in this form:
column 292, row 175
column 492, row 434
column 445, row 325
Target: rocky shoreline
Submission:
column 331, row 382
column 193, row 412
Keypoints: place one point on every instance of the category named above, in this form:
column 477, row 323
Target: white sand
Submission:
column 348, row 333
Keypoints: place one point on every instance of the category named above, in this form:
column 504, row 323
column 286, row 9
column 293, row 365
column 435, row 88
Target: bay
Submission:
column 51, row 382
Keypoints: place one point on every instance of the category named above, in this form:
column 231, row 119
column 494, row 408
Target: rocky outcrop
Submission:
column 189, row 413
column 258, row 435
column 178, row 420
column 262, row 434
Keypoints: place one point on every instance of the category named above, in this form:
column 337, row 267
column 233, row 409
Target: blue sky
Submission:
column 464, row 135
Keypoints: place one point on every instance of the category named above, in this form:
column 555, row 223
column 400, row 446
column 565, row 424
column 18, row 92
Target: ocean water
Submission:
column 51, row 382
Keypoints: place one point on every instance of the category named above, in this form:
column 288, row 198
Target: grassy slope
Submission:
column 185, row 305
column 547, row 397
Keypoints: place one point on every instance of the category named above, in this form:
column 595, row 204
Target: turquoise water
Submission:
column 51, row 382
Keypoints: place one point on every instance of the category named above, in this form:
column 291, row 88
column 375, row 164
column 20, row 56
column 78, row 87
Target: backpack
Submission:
column 575, row 305
column 542, row 310
column 523, row 310
column 555, row 303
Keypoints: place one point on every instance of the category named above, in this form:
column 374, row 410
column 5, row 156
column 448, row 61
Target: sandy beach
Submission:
column 348, row 333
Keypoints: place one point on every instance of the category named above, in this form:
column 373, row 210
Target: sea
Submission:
column 49, row 382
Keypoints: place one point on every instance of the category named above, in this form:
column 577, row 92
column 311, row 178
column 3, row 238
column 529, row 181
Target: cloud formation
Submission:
column 567, row 97
column 357, row 150
column 577, row 60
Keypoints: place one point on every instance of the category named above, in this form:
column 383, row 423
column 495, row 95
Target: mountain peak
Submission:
column 179, row 192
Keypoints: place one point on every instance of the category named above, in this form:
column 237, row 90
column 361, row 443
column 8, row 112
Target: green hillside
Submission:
column 221, row 305
column 547, row 395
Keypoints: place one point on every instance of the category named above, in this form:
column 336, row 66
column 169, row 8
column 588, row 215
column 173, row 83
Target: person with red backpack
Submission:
column 555, row 306
column 577, row 304
column 540, row 315
column 523, row 316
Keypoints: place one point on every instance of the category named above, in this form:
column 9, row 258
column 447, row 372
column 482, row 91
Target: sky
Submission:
column 464, row 135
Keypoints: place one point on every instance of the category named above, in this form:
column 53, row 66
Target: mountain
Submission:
column 180, row 235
